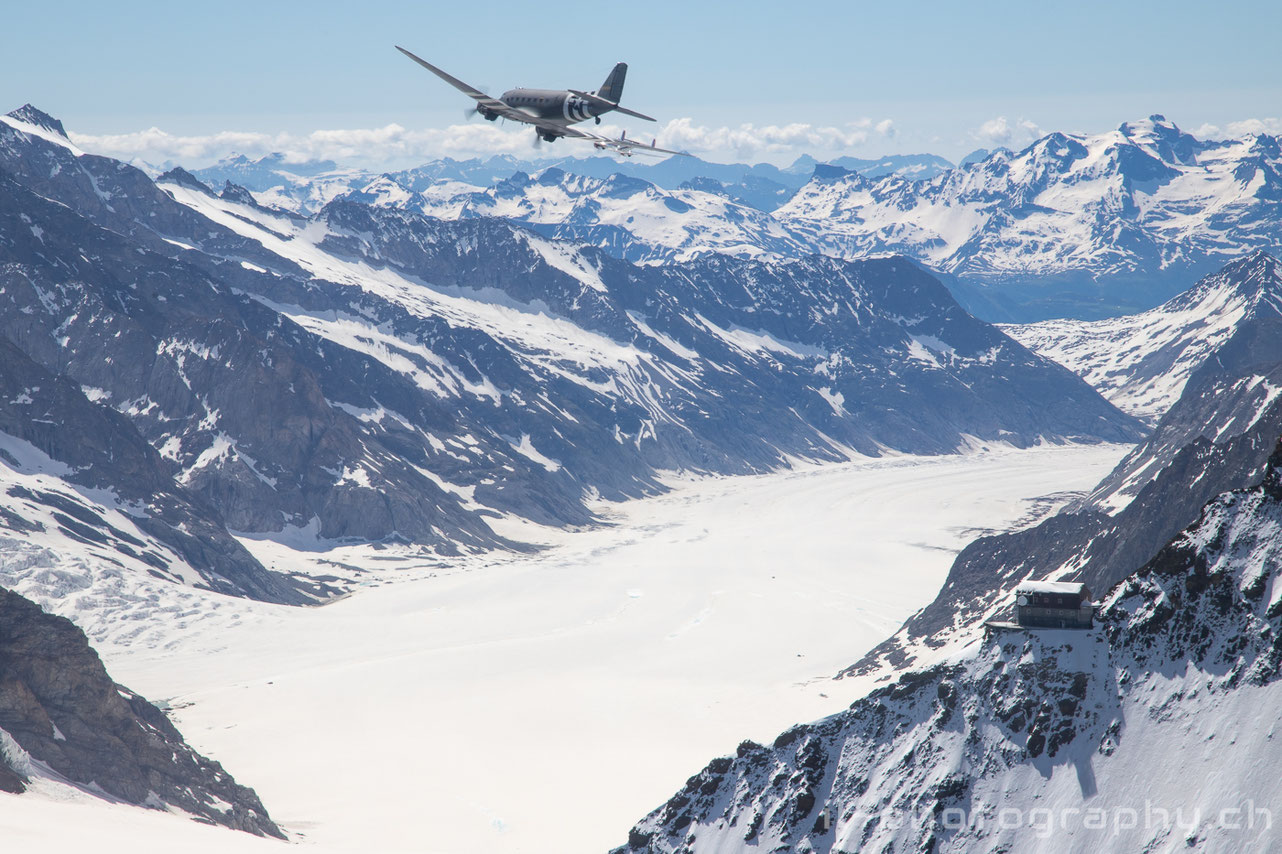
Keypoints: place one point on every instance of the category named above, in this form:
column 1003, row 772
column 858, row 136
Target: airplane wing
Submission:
column 622, row 145
column 494, row 105
column 604, row 102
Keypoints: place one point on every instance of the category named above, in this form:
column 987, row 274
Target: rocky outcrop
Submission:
column 69, row 721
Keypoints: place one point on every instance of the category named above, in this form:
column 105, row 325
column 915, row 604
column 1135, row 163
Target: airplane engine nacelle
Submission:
column 490, row 115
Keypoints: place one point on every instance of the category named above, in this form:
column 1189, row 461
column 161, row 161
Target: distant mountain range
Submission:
column 1073, row 225
column 299, row 186
column 1079, row 226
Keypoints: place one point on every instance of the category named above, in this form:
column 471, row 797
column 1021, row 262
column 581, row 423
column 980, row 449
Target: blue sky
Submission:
column 858, row 78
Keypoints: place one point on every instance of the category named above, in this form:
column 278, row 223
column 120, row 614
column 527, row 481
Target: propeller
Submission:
column 472, row 112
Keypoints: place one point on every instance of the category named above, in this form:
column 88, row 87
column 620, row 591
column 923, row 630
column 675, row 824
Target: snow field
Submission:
column 544, row 702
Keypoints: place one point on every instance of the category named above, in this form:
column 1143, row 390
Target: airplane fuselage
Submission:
column 552, row 111
column 555, row 105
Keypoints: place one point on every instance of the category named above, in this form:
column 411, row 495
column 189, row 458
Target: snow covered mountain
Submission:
column 306, row 186
column 1072, row 225
column 374, row 374
column 626, row 217
column 1154, row 731
column 297, row 186
column 1141, row 362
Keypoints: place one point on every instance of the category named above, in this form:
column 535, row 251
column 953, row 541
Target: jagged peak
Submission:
column 1255, row 278
column 1258, row 271
column 830, row 172
column 1154, row 123
column 183, row 178
column 34, row 116
column 1059, row 148
column 1162, row 138
column 626, row 185
column 552, row 175
column 237, row 193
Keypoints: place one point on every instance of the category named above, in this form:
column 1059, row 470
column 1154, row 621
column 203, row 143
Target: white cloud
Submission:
column 1236, row 130
column 749, row 140
column 360, row 146
column 393, row 144
column 1000, row 131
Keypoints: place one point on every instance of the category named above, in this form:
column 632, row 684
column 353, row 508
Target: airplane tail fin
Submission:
column 612, row 88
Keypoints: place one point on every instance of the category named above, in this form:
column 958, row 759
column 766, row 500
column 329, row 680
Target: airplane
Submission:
column 552, row 112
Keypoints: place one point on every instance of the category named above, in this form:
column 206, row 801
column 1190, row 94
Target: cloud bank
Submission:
column 1002, row 132
column 1236, row 130
column 396, row 145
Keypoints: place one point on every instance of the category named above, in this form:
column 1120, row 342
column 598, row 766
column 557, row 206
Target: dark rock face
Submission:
column 195, row 367
column 60, row 706
column 952, row 738
column 102, row 450
column 852, row 327
column 32, row 116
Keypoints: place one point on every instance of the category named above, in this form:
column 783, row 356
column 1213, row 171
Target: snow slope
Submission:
column 1141, row 362
column 382, row 375
column 539, row 703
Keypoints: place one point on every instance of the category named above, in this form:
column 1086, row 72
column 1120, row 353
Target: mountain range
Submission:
column 416, row 360
column 1074, row 225
column 304, row 186
column 369, row 373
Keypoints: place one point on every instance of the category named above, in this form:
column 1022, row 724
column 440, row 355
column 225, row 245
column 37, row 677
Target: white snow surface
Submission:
column 542, row 702
column 1141, row 362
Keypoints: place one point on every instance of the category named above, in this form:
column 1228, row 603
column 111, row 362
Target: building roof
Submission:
column 1064, row 588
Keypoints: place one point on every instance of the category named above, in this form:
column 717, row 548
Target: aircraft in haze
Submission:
column 553, row 111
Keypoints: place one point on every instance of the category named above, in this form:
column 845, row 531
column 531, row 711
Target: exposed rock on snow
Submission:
column 62, row 717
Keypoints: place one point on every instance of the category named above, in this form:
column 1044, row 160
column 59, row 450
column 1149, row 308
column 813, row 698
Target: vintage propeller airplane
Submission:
column 553, row 111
